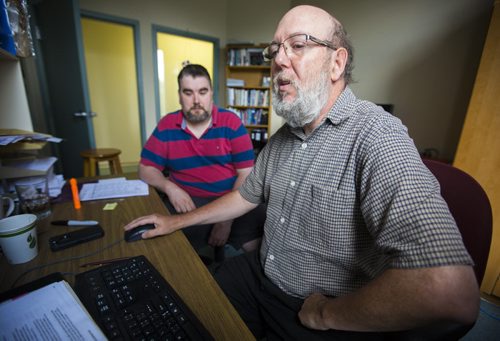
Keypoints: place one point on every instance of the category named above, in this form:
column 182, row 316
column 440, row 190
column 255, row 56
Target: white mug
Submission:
column 10, row 208
column 18, row 238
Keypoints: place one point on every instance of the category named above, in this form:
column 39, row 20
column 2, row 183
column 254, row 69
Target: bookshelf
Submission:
column 248, row 90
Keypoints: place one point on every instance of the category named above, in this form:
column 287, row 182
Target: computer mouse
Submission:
column 136, row 233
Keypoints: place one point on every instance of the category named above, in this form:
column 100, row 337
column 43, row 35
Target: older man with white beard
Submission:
column 357, row 237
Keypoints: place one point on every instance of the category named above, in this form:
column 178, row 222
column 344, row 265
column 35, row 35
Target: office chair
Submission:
column 470, row 207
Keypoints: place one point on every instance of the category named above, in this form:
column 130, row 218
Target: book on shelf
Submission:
column 247, row 97
column 252, row 116
column 245, row 56
column 259, row 135
column 266, row 81
column 255, row 56
column 235, row 82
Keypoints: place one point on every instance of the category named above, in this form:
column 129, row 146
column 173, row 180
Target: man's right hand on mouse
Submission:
column 163, row 225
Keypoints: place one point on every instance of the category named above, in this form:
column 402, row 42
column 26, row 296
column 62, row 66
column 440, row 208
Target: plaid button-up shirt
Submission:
column 347, row 202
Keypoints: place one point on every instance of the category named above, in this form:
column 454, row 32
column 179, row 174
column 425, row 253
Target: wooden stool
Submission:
column 92, row 157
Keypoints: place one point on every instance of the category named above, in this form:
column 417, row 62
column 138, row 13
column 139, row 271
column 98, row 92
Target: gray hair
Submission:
column 340, row 39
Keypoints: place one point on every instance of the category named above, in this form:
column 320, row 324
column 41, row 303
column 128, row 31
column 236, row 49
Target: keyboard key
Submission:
column 131, row 300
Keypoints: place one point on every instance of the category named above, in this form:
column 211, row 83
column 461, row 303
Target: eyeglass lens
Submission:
column 293, row 45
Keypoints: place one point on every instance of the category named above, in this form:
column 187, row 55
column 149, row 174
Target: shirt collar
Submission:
column 343, row 107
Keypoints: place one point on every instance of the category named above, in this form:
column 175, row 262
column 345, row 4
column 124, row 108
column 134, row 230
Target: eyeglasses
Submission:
column 294, row 46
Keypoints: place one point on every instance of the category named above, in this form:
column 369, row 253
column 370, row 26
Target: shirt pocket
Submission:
column 331, row 219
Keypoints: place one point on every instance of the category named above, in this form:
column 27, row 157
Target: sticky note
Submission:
column 110, row 206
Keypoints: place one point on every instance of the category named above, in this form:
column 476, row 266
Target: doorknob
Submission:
column 85, row 114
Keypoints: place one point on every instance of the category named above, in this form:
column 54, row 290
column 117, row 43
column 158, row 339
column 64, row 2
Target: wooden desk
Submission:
column 172, row 255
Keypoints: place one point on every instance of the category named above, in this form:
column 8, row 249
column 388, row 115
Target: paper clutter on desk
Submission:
column 18, row 170
column 113, row 188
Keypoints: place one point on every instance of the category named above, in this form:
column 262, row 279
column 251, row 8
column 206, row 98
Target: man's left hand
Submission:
column 310, row 314
column 220, row 233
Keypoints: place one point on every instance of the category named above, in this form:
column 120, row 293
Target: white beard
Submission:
column 308, row 104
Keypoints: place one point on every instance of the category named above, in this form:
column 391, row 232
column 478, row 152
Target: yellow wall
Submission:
column 175, row 51
column 111, row 72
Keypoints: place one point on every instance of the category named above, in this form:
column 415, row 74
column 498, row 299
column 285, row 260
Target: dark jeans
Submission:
column 269, row 312
column 244, row 229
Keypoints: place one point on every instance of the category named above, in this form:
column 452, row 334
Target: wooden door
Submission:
column 478, row 150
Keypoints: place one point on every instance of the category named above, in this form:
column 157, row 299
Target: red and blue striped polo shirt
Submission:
column 204, row 167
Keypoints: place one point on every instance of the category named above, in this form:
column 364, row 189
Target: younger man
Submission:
column 207, row 153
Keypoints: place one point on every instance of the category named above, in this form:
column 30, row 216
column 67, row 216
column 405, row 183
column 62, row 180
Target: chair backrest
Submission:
column 471, row 209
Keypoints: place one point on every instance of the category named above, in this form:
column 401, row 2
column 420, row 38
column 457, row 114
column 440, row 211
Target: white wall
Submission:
column 254, row 21
column 14, row 110
column 421, row 56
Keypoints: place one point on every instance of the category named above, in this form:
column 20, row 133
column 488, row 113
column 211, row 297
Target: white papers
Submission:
column 41, row 164
column 5, row 140
column 54, row 139
column 34, row 137
column 113, row 188
column 56, row 184
column 53, row 312
column 40, row 167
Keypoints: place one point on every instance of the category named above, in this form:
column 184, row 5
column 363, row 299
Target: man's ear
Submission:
column 339, row 60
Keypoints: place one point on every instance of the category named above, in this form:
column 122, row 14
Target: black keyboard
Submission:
column 130, row 300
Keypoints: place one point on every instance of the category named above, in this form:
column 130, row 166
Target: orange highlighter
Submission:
column 74, row 192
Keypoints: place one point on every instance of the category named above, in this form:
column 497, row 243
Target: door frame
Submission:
column 138, row 63
column 163, row 29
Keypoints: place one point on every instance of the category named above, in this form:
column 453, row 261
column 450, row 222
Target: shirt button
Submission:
column 292, row 183
column 282, row 220
column 271, row 257
column 303, row 145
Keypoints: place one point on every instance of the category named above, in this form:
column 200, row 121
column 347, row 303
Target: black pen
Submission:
column 103, row 262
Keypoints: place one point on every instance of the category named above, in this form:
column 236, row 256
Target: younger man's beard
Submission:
column 308, row 104
column 196, row 118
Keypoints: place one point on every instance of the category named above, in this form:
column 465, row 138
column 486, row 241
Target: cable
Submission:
column 41, row 266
